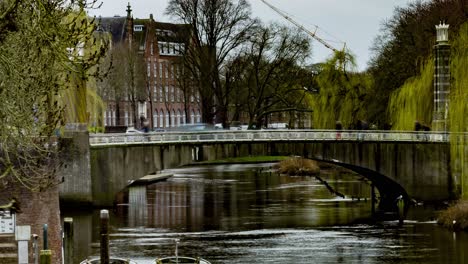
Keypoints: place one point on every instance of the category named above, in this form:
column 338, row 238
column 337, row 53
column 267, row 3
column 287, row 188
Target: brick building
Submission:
column 170, row 100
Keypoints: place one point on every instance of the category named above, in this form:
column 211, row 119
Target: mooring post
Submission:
column 44, row 236
column 104, row 237
column 68, row 239
column 46, row 255
column 35, row 249
column 373, row 198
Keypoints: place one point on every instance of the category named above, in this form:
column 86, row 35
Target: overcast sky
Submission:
column 354, row 22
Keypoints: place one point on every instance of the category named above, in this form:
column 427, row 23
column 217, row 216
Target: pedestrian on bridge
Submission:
column 338, row 127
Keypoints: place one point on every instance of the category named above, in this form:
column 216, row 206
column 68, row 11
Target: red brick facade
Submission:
column 162, row 45
column 37, row 209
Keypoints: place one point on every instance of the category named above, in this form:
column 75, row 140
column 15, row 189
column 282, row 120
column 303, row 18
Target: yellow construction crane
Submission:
column 312, row 34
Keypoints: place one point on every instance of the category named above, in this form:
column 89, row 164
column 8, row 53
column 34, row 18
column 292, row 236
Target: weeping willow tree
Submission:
column 81, row 101
column 40, row 45
column 342, row 93
column 413, row 101
column 458, row 109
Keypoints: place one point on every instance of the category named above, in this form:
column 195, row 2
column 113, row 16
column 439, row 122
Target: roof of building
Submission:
column 167, row 32
column 117, row 26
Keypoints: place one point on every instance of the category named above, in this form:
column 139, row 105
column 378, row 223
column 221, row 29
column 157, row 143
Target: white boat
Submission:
column 181, row 260
column 112, row 260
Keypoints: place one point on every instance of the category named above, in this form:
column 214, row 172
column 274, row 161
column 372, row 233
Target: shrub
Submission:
column 455, row 217
column 298, row 166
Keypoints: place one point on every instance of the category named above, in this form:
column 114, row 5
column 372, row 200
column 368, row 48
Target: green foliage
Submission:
column 404, row 45
column 39, row 56
column 458, row 117
column 342, row 95
column 459, row 82
column 414, row 100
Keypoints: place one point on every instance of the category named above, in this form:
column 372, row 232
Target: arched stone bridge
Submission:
column 414, row 164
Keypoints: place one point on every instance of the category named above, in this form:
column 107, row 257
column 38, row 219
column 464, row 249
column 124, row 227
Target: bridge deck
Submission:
column 97, row 140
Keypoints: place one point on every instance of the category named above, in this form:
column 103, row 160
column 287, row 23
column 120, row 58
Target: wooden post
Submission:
column 35, row 249
column 373, row 198
column 68, row 239
column 104, row 237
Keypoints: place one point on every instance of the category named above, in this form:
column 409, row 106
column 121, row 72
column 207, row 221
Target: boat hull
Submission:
column 181, row 260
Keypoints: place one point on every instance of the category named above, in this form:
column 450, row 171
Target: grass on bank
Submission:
column 455, row 217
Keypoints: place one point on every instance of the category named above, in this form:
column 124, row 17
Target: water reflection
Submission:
column 137, row 206
column 249, row 214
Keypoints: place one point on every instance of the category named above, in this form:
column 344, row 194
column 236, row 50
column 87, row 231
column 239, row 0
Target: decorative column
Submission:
column 441, row 78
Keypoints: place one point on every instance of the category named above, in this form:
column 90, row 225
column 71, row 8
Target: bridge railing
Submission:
column 269, row 135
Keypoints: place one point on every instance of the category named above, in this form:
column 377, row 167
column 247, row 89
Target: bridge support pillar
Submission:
column 76, row 171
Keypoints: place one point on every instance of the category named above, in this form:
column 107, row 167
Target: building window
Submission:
column 138, row 28
column 172, row 93
column 155, row 118
column 179, row 118
column 166, row 70
column 160, row 93
column 106, row 116
column 167, row 93
column 161, row 118
column 198, row 116
column 173, row 117
column 160, row 69
column 192, row 117
column 161, row 48
column 167, row 119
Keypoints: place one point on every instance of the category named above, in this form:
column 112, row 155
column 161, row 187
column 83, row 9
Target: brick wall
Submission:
column 37, row 209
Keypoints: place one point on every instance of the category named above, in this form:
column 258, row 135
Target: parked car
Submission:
column 194, row 127
column 132, row 130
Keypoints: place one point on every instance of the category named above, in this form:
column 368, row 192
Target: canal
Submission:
column 250, row 214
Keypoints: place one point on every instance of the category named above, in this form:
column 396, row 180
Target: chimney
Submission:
column 129, row 36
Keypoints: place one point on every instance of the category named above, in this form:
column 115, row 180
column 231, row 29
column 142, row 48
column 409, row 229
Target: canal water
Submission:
column 250, row 214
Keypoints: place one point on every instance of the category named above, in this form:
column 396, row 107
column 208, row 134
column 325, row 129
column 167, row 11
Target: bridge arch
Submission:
column 389, row 189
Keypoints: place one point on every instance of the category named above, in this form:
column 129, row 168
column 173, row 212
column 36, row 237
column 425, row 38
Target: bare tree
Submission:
column 218, row 28
column 126, row 79
column 268, row 74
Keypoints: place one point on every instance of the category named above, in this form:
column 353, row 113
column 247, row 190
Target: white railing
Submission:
column 271, row 135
